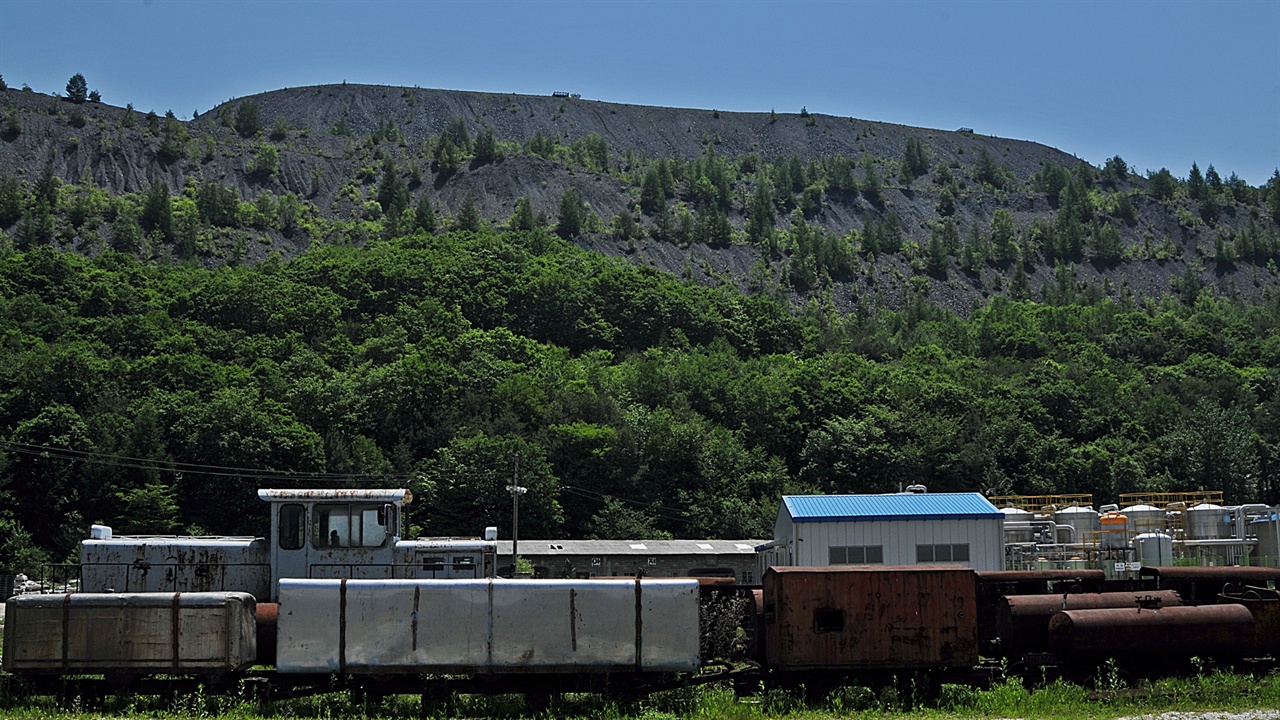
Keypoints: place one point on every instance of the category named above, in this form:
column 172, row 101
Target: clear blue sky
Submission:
column 1159, row 83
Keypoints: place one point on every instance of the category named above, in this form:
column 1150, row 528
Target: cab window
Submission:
column 344, row 525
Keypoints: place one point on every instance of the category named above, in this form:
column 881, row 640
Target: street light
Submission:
column 516, row 491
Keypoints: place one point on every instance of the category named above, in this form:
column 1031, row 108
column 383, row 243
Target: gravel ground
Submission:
column 1243, row 715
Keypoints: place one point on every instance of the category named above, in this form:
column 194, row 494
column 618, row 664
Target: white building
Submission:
column 900, row 529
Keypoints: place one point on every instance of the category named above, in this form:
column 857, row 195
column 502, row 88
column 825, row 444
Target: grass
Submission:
column 1013, row 698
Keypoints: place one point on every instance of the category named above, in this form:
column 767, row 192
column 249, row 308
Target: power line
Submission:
column 228, row 471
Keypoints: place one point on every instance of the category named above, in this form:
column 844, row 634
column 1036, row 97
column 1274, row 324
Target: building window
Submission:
column 855, row 555
column 942, row 553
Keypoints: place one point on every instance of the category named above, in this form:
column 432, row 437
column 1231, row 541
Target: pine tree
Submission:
column 424, row 216
column 247, row 121
column 157, row 211
column 760, row 211
column 1161, row 184
column 915, row 161
column 1004, row 236
column 487, row 149
column 571, row 216
column 1195, row 183
column 523, row 218
column 1273, row 195
column 468, row 215
column 392, row 194
column 77, row 88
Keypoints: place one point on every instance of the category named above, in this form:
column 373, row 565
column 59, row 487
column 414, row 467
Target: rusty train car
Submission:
column 334, row 598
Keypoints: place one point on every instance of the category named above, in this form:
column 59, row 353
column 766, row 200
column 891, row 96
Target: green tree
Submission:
column 523, row 217
column 487, row 148
column 572, row 215
column 151, row 509
column 392, row 194
column 77, row 88
column 247, row 121
column 266, row 163
column 760, row 212
column 424, row 216
column 157, row 211
column 469, row 215
column 1161, row 184
column 279, row 129
column 1004, row 236
column 915, row 160
column 1273, row 195
column 10, row 201
column 1195, row 183
column 474, row 472
column 653, row 199
column 11, row 125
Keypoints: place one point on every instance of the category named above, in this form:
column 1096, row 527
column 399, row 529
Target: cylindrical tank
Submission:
column 1113, row 531
column 1207, row 522
column 1154, row 549
column 1017, row 525
column 1022, row 621
column 1215, row 630
column 1267, row 530
column 1144, row 518
column 1083, row 519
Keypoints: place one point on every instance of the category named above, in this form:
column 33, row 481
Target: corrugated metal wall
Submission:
column 899, row 539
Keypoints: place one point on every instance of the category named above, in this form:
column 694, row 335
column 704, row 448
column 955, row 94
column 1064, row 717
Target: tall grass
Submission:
column 1115, row 697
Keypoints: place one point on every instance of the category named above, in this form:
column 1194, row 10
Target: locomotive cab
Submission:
column 334, row 533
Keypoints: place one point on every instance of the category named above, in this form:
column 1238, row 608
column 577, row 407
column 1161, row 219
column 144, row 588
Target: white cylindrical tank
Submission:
column 1207, row 521
column 1144, row 519
column 1153, row 549
column 1017, row 525
column 1083, row 519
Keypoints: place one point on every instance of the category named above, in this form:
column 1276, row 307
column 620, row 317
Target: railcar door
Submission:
column 289, row 551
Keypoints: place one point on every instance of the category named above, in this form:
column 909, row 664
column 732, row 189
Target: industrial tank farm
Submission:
column 335, row 599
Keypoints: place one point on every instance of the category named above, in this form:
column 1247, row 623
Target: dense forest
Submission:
column 174, row 340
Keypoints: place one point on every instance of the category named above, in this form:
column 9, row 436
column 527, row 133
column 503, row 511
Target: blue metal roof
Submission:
column 903, row 506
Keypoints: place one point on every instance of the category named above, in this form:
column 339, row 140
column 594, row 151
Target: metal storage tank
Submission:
column 1154, row 549
column 1113, row 533
column 1144, row 518
column 1084, row 519
column 1267, row 530
column 1091, row 635
column 130, row 633
column 840, row 618
column 1207, row 522
column 1017, row 525
column 1022, row 621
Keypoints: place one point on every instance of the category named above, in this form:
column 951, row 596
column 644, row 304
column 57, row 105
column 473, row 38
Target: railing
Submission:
column 1164, row 499
column 1036, row 503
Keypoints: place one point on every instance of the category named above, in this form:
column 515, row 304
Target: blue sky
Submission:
column 1161, row 84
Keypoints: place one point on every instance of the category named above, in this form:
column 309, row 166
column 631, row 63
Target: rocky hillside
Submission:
column 853, row 215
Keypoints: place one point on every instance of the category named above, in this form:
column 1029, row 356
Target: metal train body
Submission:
column 333, row 592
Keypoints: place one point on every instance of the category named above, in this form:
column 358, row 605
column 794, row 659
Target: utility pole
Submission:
column 516, row 491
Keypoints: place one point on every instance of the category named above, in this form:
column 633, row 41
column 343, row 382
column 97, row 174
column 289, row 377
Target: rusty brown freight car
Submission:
column 887, row 618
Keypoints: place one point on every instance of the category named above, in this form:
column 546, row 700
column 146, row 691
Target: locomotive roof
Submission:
column 534, row 547
column 900, row 506
column 400, row 495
